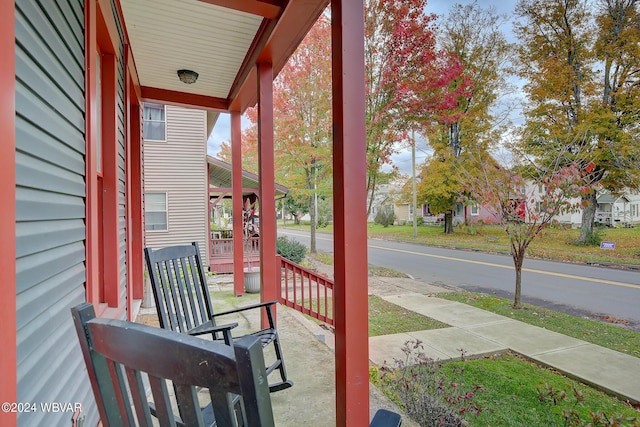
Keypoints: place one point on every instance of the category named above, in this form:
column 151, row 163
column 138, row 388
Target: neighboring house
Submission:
column 474, row 213
column 221, row 234
column 618, row 210
column 382, row 199
column 175, row 177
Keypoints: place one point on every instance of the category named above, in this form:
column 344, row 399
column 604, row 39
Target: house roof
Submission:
column 221, row 40
column 609, row 198
column 220, row 177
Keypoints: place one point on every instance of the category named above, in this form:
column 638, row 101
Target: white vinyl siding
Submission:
column 179, row 169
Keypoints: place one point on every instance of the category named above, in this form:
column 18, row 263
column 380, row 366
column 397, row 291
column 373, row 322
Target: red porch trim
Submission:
column 110, row 220
column 269, row 274
column 269, row 9
column 236, row 209
column 91, row 132
column 280, row 45
column 8, row 385
column 128, row 138
column 247, row 67
column 107, row 30
column 350, row 235
column 183, row 99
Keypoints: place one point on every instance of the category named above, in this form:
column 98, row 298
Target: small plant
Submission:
column 424, row 393
column 385, row 216
column 572, row 417
column 292, row 250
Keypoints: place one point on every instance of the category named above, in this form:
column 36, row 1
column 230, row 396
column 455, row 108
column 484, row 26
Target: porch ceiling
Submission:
column 221, row 40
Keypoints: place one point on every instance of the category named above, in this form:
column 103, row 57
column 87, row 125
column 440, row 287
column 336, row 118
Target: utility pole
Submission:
column 415, row 196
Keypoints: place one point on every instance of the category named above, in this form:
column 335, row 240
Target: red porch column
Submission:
column 236, row 185
column 8, row 391
column 267, row 187
column 350, row 226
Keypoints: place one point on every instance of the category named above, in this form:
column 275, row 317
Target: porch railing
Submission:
column 224, row 247
column 306, row 291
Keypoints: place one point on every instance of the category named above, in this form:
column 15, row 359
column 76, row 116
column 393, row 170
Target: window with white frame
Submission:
column 155, row 208
column 475, row 210
column 634, row 210
column 155, row 122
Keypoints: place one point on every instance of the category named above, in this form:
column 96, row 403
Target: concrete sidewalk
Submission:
column 479, row 332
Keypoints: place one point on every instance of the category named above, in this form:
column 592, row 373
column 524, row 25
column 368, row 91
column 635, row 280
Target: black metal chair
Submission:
column 184, row 305
column 125, row 358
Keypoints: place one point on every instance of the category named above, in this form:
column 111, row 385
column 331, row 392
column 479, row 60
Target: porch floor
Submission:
column 308, row 355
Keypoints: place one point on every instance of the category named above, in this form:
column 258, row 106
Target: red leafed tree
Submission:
column 303, row 122
column 525, row 199
column 400, row 55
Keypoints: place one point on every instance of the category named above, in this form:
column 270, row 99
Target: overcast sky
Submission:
column 221, row 131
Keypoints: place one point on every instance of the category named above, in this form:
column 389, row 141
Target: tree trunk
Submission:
column 371, row 187
column 312, row 216
column 589, row 204
column 518, row 259
column 448, row 222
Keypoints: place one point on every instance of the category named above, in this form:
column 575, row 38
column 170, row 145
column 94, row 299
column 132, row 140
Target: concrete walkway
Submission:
column 479, row 332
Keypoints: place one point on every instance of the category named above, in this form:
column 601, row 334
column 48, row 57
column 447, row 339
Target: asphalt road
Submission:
column 572, row 288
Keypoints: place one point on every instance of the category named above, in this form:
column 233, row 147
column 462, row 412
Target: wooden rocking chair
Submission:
column 183, row 303
column 125, row 358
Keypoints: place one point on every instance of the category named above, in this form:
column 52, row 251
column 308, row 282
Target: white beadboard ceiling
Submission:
column 169, row 35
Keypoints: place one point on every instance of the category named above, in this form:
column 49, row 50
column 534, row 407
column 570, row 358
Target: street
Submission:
column 571, row 288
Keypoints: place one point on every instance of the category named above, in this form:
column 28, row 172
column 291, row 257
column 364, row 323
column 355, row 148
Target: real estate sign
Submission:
column 608, row 245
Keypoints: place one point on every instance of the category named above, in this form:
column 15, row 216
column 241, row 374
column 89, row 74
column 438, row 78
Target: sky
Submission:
column 222, row 132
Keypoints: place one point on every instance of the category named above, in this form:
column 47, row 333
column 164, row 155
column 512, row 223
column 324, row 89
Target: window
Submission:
column 475, row 210
column 155, row 216
column 155, row 123
column 634, row 210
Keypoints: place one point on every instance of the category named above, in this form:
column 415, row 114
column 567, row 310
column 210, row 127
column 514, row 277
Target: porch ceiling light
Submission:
column 187, row 76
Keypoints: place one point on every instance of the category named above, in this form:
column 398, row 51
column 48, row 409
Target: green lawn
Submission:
column 511, row 394
column 553, row 243
column 386, row 318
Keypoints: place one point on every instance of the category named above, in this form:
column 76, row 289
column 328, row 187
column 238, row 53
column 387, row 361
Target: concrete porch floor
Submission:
column 308, row 355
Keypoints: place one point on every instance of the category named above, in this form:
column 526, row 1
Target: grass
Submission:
column 386, row 318
column 511, row 395
column 553, row 243
column 606, row 335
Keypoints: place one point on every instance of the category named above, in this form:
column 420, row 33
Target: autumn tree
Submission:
column 616, row 130
column 303, row 121
column 582, row 87
column 399, row 49
column 466, row 112
column 302, row 125
column 524, row 197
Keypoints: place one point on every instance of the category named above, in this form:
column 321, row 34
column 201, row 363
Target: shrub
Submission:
column 424, row 393
column 593, row 239
column 292, row 250
column 385, row 216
